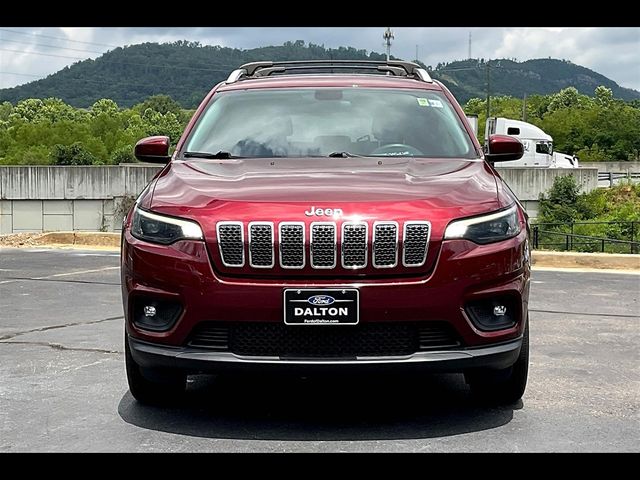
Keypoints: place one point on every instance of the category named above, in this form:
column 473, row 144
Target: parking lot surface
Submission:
column 63, row 385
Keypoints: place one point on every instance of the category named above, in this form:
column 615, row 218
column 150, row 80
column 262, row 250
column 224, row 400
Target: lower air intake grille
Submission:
column 364, row 340
column 212, row 337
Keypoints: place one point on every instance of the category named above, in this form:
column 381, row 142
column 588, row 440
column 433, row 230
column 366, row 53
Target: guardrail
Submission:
column 545, row 234
column 611, row 177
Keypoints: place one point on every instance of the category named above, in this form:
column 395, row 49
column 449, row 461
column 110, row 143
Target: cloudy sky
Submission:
column 27, row 54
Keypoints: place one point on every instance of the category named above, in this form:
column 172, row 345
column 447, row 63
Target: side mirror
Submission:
column 503, row 148
column 153, row 149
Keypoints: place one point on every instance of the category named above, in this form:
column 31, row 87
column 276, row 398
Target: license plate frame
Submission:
column 332, row 300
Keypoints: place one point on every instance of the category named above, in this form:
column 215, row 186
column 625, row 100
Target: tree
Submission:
column 565, row 98
column 604, row 96
column 559, row 204
column 5, row 110
column 74, row 154
column 104, row 106
column 161, row 104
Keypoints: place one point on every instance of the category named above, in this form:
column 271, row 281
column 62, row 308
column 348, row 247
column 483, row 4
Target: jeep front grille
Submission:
column 354, row 245
column 296, row 240
column 261, row 244
column 323, row 245
column 385, row 244
column 231, row 243
column 291, row 244
column 416, row 241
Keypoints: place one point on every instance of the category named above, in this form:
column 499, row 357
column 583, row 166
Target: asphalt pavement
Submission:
column 63, row 385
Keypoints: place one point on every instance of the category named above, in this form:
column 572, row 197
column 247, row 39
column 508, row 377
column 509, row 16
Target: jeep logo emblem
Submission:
column 319, row 212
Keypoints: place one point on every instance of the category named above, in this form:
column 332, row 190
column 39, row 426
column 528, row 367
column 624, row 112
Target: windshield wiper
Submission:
column 342, row 155
column 220, row 154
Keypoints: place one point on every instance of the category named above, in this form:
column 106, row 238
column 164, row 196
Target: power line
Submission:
column 43, row 54
column 21, row 74
column 48, row 46
column 58, row 38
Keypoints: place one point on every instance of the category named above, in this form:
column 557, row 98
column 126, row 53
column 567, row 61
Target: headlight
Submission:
column 487, row 228
column 161, row 229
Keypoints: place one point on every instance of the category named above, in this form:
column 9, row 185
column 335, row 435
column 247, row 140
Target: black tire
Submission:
column 153, row 387
column 502, row 387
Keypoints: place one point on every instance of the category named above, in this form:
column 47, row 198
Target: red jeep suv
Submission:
column 327, row 215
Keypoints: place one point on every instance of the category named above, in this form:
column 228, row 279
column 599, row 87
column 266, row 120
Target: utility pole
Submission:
column 469, row 57
column 524, row 108
column 488, row 89
column 388, row 36
column 416, row 53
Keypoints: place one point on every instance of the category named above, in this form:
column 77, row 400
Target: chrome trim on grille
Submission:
column 335, row 246
column 366, row 245
column 376, row 224
column 404, row 240
column 304, row 246
column 270, row 225
column 218, row 225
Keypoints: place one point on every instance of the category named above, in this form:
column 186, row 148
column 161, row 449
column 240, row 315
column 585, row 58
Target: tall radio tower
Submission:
column 388, row 36
column 469, row 46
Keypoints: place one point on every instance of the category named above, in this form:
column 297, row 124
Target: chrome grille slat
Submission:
column 292, row 238
column 354, row 245
column 323, row 245
column 261, row 245
column 385, row 244
column 231, row 243
column 415, row 243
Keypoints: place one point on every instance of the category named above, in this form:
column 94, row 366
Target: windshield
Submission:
column 320, row 122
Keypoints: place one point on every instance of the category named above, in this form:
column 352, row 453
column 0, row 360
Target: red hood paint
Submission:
column 370, row 189
column 467, row 186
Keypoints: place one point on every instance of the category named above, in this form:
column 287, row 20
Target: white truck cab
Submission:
column 538, row 145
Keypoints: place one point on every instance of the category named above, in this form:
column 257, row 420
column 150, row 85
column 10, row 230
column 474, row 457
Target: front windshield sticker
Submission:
column 423, row 102
column 435, row 103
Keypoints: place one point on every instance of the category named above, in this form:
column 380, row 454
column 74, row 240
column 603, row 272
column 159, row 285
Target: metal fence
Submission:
column 567, row 237
column 611, row 178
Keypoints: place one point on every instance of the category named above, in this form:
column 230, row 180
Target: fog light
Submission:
column 498, row 310
column 497, row 313
column 155, row 314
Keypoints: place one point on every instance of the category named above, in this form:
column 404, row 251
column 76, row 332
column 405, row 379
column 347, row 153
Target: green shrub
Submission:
column 74, row 154
column 563, row 204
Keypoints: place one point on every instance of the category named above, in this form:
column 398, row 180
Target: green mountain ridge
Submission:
column 186, row 71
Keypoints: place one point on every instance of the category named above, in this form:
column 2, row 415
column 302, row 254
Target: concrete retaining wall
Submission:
column 632, row 167
column 46, row 199
column 43, row 198
column 528, row 183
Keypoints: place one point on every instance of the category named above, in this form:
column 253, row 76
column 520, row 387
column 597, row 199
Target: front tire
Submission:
column 165, row 386
column 506, row 386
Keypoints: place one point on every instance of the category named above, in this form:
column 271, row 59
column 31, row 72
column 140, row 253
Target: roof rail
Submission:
column 264, row 69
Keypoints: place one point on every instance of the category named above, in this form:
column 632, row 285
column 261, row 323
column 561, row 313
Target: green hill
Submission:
column 187, row 70
column 467, row 78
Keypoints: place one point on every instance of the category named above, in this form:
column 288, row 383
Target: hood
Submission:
column 304, row 191
column 468, row 185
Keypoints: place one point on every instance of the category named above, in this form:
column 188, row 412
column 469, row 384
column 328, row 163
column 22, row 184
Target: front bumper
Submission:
column 464, row 272
column 193, row 360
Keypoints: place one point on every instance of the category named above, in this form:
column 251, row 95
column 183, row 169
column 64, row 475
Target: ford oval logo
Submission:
column 321, row 300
